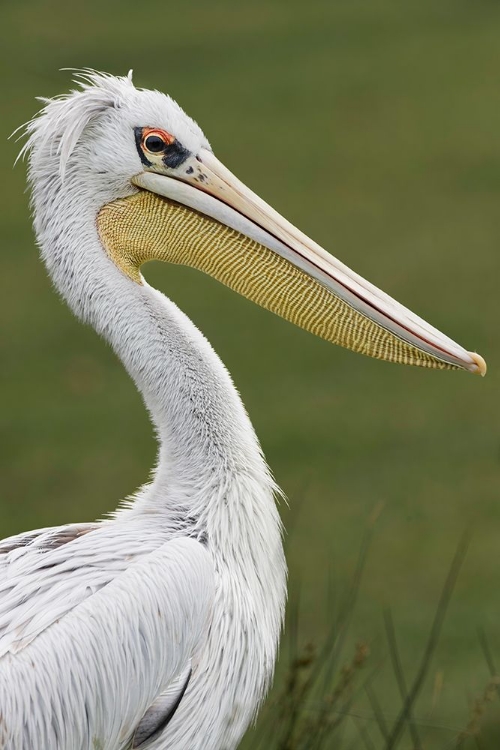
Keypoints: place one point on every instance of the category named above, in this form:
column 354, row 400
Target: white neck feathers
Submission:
column 206, row 439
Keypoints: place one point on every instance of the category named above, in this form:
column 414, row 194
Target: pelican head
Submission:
column 159, row 193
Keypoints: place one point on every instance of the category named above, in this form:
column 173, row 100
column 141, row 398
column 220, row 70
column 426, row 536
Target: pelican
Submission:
column 158, row 628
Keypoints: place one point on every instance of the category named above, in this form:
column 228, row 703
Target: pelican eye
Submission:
column 154, row 144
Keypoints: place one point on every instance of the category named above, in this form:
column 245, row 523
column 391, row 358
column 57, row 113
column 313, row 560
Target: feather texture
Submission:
column 88, row 679
column 160, row 712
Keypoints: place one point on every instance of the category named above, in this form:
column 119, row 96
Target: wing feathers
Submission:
column 46, row 573
column 161, row 711
column 44, row 539
column 104, row 664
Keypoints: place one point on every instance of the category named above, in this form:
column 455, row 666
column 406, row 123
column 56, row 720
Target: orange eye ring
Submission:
column 156, row 141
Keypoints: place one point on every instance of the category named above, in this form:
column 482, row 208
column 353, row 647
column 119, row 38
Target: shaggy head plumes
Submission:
column 110, row 107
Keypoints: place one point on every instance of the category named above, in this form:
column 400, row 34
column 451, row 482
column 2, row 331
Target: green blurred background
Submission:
column 374, row 125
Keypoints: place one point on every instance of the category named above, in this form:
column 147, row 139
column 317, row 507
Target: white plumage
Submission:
column 198, row 552
column 159, row 628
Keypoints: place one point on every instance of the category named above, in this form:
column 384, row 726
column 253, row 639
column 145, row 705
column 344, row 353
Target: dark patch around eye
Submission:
column 138, row 143
column 175, row 155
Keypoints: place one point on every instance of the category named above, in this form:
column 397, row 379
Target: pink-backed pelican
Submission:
column 159, row 628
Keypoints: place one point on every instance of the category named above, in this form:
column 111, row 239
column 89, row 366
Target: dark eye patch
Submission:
column 173, row 153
